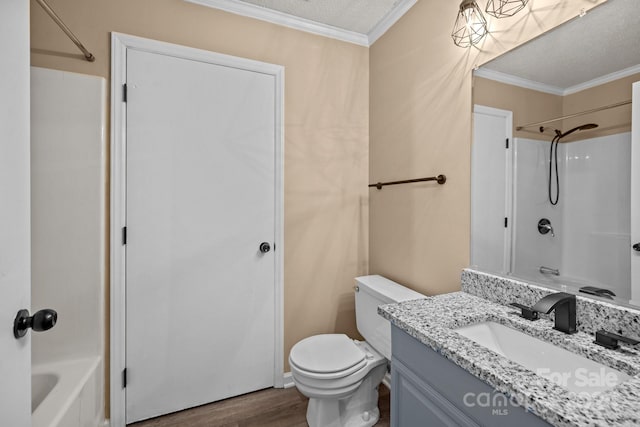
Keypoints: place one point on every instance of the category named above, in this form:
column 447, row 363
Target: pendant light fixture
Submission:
column 470, row 26
column 504, row 8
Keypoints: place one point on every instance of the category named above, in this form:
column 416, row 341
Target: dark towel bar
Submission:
column 441, row 179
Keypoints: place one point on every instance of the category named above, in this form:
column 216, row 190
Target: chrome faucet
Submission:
column 565, row 306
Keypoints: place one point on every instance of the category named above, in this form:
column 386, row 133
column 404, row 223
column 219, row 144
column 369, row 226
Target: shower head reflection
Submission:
column 586, row 126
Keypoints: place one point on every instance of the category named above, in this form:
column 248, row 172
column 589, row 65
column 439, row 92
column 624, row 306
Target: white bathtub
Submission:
column 67, row 394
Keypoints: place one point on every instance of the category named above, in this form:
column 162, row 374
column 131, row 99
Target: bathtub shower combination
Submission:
column 68, row 181
column 587, row 240
column 551, row 211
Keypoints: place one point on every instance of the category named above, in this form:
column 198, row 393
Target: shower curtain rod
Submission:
column 87, row 55
column 606, row 107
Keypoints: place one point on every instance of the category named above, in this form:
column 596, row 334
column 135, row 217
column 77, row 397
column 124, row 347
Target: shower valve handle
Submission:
column 42, row 320
column 544, row 227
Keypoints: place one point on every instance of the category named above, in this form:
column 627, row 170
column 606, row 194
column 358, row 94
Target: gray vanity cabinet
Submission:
column 431, row 391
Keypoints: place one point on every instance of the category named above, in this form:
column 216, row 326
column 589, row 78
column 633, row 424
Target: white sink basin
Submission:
column 569, row 370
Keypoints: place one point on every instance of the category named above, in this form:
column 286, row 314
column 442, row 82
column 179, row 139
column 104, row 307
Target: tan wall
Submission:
column 530, row 106
column 420, row 125
column 326, row 133
column 615, row 120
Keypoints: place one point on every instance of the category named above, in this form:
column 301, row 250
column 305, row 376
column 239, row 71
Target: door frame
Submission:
column 120, row 43
column 635, row 201
column 15, row 230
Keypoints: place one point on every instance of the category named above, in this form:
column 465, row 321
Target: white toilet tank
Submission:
column 372, row 291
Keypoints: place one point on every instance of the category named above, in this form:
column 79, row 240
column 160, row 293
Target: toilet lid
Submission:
column 326, row 353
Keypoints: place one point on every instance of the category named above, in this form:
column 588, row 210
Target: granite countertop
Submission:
column 432, row 320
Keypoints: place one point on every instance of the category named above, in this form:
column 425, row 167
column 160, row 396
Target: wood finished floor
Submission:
column 266, row 408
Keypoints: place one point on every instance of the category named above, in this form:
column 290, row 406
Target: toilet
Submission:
column 340, row 376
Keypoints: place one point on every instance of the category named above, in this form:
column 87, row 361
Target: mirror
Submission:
column 559, row 214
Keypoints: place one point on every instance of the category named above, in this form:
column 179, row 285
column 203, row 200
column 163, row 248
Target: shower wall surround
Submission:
column 68, row 165
column 591, row 221
column 596, row 217
column 68, row 215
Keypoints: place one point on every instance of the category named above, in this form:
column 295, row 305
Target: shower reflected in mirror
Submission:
column 525, row 168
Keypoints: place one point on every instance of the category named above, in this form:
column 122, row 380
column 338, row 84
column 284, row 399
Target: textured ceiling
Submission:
column 605, row 40
column 360, row 16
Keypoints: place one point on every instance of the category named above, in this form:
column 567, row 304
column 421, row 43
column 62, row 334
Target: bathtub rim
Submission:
column 72, row 374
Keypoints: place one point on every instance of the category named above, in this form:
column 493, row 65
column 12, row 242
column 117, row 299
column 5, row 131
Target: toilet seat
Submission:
column 327, row 356
column 314, row 383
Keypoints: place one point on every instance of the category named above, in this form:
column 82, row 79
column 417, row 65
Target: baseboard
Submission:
column 288, row 380
column 386, row 380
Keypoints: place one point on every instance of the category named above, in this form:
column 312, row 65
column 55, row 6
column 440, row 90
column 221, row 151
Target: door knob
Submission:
column 42, row 320
column 636, row 247
column 265, row 247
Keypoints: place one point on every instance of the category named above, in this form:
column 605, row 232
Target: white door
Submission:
column 15, row 286
column 491, row 183
column 635, row 195
column 200, row 200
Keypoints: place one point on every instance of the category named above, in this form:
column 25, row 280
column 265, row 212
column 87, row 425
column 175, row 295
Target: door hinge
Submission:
column 124, row 378
column 124, row 92
column 507, row 145
column 124, row 235
column 506, row 222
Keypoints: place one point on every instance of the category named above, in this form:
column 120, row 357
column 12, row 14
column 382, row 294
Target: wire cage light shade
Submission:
column 470, row 26
column 504, row 8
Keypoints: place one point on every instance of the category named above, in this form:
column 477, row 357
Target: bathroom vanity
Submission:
column 468, row 359
column 427, row 386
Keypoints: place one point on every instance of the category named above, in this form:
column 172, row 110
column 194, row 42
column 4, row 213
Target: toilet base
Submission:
column 357, row 410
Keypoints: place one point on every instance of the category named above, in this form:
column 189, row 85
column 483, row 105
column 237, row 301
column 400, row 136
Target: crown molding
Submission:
column 517, row 81
column 275, row 17
column 603, row 79
column 554, row 90
column 391, row 18
column 279, row 18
